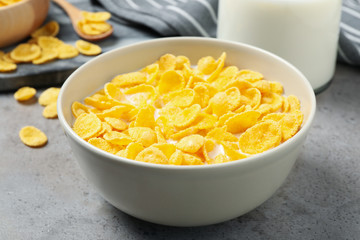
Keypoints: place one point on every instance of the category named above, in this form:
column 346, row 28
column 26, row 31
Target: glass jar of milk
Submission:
column 304, row 32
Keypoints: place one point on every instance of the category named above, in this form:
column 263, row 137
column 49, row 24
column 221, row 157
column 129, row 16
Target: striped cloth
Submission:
column 168, row 17
column 349, row 41
column 199, row 18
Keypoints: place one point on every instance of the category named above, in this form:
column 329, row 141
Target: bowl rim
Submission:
column 105, row 156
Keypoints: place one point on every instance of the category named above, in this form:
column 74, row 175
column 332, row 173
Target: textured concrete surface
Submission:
column 44, row 196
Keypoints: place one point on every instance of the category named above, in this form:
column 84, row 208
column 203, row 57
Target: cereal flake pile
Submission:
column 171, row 112
column 44, row 47
column 94, row 23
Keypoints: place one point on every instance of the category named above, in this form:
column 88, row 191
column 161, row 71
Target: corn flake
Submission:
column 233, row 96
column 220, row 64
column 207, row 64
column 187, row 116
column 249, row 75
column 232, row 152
column 159, row 135
column 180, row 61
column 166, row 62
column 122, row 153
column 192, row 80
column 242, row 121
column 167, row 148
column 223, row 102
column 276, row 87
column 183, row 133
column 164, row 125
column 105, row 128
column 152, row 155
column 204, row 121
column 218, row 104
column 170, row 81
column 49, row 29
column 113, row 92
column 294, row 103
column 180, row 98
column 191, row 144
column 260, row 137
column 144, row 135
column 48, row 42
column 118, row 111
column 99, row 27
column 170, row 112
column 117, row 138
column 103, row 145
column 32, row 136
column 67, row 51
column 6, row 66
column 202, row 95
column 87, row 29
column 99, row 102
column 240, row 84
column 145, row 118
column 225, row 76
column 132, row 150
column 25, row 52
column 141, row 95
column 96, row 16
column 50, row 95
column 87, row 125
column 220, row 134
column 176, row 158
column 212, row 90
column 142, row 88
column 224, row 118
column 78, row 108
column 129, row 79
column 220, row 158
column 290, row 122
column 151, row 72
column 24, row 93
column 273, row 99
column 263, row 86
column 7, row 58
column 50, row 111
column 87, row 48
column 47, row 55
column 251, row 97
column 189, row 159
column 116, row 123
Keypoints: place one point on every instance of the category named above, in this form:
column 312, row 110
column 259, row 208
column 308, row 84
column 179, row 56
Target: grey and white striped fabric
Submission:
column 199, row 18
column 349, row 41
column 168, row 17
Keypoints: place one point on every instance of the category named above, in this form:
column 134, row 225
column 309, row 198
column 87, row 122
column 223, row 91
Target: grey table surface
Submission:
column 43, row 194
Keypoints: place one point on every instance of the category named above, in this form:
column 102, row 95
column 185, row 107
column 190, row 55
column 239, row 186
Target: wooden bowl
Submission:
column 19, row 20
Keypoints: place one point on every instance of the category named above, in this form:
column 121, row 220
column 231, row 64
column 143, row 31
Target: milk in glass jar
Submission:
column 304, row 32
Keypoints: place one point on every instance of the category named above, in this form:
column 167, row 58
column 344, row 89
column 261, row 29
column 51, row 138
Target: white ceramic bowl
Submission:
column 19, row 20
column 184, row 195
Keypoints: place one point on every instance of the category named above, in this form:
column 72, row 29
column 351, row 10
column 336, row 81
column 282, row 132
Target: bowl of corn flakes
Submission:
column 186, row 131
column 19, row 18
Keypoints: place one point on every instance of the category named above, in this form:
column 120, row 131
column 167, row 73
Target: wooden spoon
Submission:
column 75, row 16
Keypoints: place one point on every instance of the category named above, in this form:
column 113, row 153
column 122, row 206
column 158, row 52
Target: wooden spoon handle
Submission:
column 73, row 12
